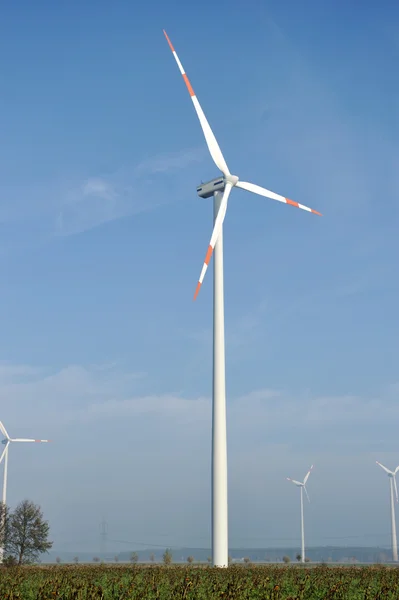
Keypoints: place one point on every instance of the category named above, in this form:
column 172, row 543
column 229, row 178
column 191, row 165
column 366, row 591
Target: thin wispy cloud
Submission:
column 94, row 203
column 10, row 373
column 36, row 391
column 242, row 332
column 73, row 205
column 158, row 406
column 129, row 191
column 171, row 161
column 78, row 393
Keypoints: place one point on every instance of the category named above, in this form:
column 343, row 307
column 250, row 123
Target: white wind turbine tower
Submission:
column 302, row 486
column 220, row 189
column 392, row 485
column 7, row 441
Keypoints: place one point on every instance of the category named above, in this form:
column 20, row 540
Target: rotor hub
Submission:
column 233, row 179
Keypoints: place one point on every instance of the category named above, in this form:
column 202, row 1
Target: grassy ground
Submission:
column 105, row 582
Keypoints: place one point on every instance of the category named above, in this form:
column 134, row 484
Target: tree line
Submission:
column 23, row 534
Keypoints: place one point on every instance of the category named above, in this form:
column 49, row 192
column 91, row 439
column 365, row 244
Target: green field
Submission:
column 165, row 583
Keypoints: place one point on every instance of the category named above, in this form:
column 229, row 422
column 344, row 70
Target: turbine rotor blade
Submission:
column 396, row 489
column 28, row 440
column 4, row 431
column 306, row 492
column 295, row 481
column 385, row 469
column 215, row 234
column 307, row 475
column 256, row 189
column 213, row 146
column 4, row 452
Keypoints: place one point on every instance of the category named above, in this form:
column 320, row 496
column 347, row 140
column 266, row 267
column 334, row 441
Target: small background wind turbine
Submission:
column 4, row 456
column 392, row 485
column 220, row 189
column 302, row 486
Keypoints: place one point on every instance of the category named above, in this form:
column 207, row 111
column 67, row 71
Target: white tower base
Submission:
column 219, row 436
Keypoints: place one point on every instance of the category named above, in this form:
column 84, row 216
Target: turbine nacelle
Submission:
column 207, row 190
column 297, row 483
column 388, row 471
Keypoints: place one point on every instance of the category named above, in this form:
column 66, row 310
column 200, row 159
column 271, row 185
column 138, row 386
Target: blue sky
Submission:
column 102, row 238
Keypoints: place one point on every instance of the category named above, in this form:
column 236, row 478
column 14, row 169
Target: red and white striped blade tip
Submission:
column 261, row 191
column 197, row 289
column 210, row 139
column 168, row 40
column 204, row 268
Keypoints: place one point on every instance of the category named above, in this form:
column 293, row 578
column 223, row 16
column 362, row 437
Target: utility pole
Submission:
column 103, row 538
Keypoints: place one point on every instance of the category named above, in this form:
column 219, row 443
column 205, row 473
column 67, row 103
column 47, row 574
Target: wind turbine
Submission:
column 392, row 485
column 220, row 189
column 302, row 486
column 7, row 441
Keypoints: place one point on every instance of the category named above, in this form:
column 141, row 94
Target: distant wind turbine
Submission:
column 7, row 441
column 392, row 485
column 302, row 485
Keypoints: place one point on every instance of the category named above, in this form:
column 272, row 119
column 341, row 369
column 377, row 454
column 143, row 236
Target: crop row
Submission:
column 105, row 582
